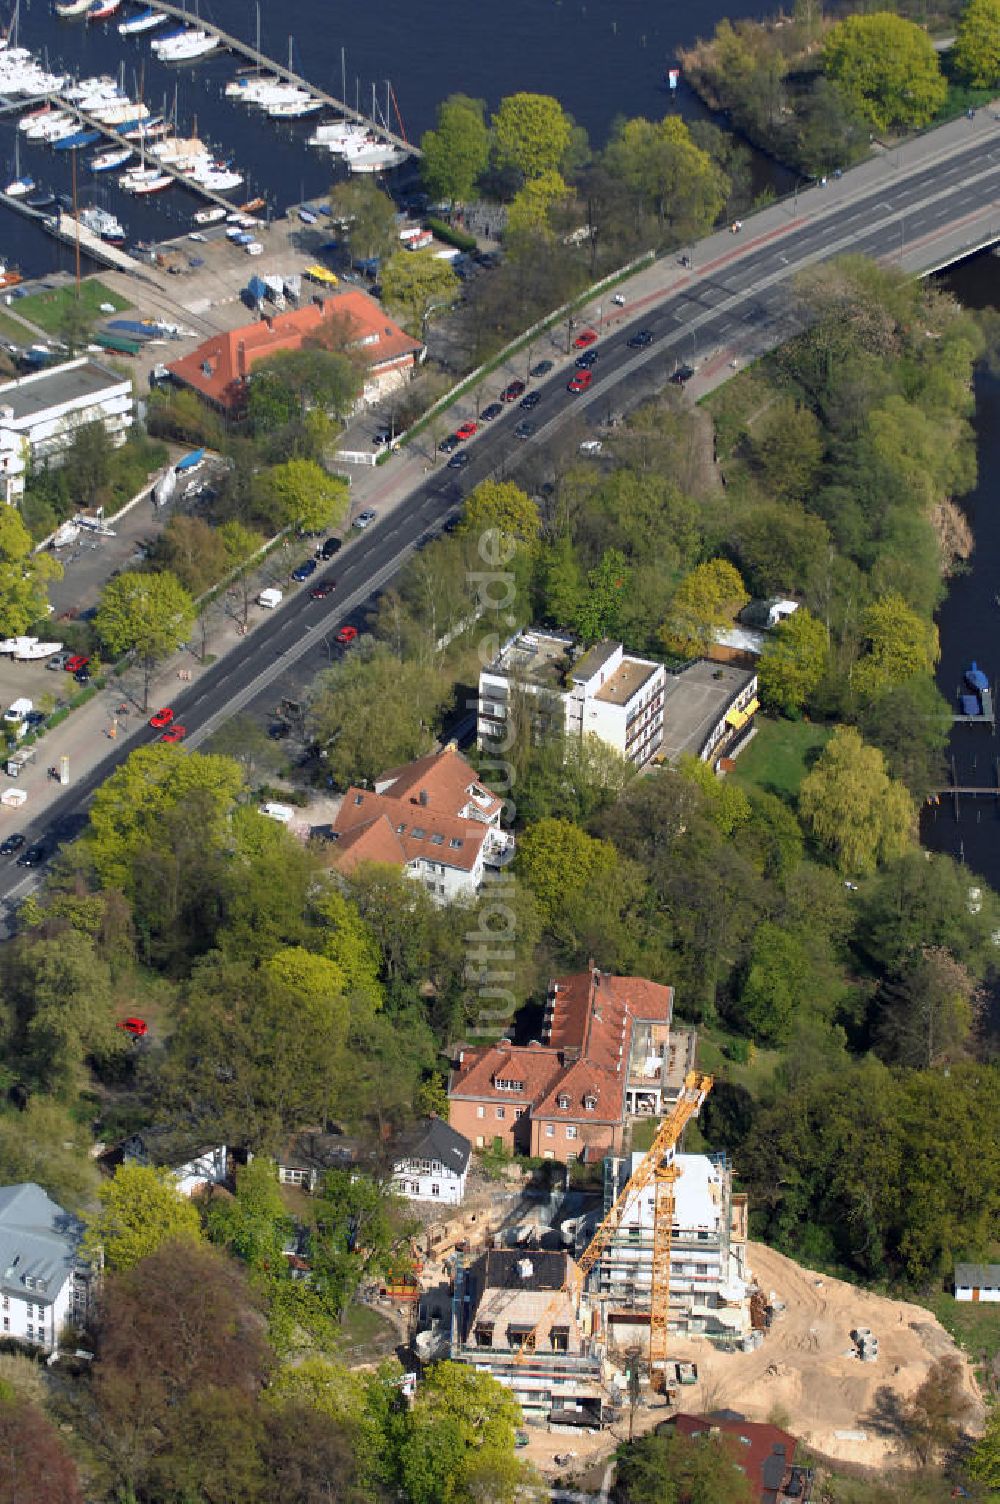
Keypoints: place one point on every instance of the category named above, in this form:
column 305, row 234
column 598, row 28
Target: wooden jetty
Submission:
column 956, row 791
column 244, row 49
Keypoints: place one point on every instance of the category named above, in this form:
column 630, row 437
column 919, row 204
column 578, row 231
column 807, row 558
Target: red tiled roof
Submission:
column 445, row 778
column 374, row 840
column 577, row 1082
column 219, row 366
column 533, row 1066
column 762, row 1451
column 416, row 831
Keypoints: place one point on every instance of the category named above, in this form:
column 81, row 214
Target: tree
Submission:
column 150, row 615
column 669, row 175
column 368, row 216
column 308, row 1460
column 933, row 1416
column 984, row 1459
column 888, row 66
column 910, row 723
column 925, row 1013
column 254, row 1224
column 502, row 507
column 853, row 807
column 794, row 662
column 679, row 1470
column 777, row 981
column 601, row 606
column 35, row 1467
column 62, row 996
column 372, row 711
column 193, row 551
column 141, row 1209
column 787, row 447
column 559, row 861
column 457, row 151
column 705, row 600
column 727, row 803
column 458, row 1434
column 24, row 576
column 415, row 283
column 976, row 54
column 532, row 204
column 89, row 461
column 531, row 133
column 897, row 645
column 302, row 494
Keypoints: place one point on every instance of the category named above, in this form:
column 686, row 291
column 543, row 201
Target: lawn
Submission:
column 49, row 309
column 975, row 1326
column 780, row 755
column 10, row 329
column 366, row 1336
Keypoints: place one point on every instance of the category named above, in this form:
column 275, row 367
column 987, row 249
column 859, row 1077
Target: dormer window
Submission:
column 590, row 1103
column 502, row 1084
column 562, row 1102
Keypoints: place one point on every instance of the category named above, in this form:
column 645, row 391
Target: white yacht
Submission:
column 101, row 223
column 145, row 20
column 186, row 47
column 376, row 158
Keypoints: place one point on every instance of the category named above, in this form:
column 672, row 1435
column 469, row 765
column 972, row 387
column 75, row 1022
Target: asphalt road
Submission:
column 742, row 304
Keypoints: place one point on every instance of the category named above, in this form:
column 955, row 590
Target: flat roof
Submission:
column 595, row 658
column 538, row 656
column 31, row 395
column 626, row 681
column 694, row 702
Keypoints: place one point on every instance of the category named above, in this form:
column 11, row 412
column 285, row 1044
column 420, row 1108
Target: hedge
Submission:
column 452, row 236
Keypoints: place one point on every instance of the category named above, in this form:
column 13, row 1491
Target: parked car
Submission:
column 587, row 359
column 12, row 844
column 82, row 675
column 459, row 460
column 448, row 445
column 304, row 570
column 489, row 413
column 365, row 518
column 322, row 590
column 137, row 1027
column 682, row 375
column 580, row 381
column 467, row 429
column 59, row 660
column 162, row 718
column 174, row 733
column 346, row 636
column 512, row 391
column 584, row 338
column 74, row 664
column 530, row 401
column 33, row 857
column 541, row 369
column 329, row 547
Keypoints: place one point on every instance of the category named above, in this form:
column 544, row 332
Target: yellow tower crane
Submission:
column 657, row 1168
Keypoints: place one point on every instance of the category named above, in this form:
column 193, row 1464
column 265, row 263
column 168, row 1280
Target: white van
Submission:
column 269, row 598
column 18, row 712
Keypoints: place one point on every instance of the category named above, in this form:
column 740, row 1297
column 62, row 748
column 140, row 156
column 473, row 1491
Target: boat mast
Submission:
column 76, row 217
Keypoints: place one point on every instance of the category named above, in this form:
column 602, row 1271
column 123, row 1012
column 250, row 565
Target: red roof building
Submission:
column 602, row 1059
column 765, row 1453
column 433, row 818
column 351, row 321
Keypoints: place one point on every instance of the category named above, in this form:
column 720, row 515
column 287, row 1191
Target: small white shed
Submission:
column 977, row 1282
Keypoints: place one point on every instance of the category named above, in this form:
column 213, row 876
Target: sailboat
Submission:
column 21, row 185
column 145, row 20
column 66, row 8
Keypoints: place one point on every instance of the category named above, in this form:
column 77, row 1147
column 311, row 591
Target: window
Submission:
column 559, row 1338
column 501, row 1112
column 519, row 1113
column 549, row 1154
column 418, row 833
column 456, row 844
column 562, row 1102
column 480, row 1112
column 483, row 1334
column 571, row 1130
column 550, row 1130
column 6, row 1323
column 503, row 1085
column 435, row 1190
column 480, row 1141
column 30, row 1312
column 437, row 840
column 590, row 1103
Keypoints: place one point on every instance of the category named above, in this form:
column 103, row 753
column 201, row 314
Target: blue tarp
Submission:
column 257, row 288
column 132, row 327
column 80, row 138
column 189, row 461
column 975, row 677
column 970, row 705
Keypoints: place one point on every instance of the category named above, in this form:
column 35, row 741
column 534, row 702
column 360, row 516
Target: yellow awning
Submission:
column 735, row 718
column 752, row 708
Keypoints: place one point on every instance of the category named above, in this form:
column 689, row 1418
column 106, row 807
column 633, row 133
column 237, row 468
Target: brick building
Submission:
column 606, row 1055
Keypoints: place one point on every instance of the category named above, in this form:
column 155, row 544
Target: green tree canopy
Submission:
column 705, row 600
column 24, row 576
column 897, row 644
column 300, row 493
column 888, row 67
column 501, row 506
column 371, row 712
column 777, row 983
column 457, row 151
column 984, row 1459
column 148, row 614
column 140, row 1210
column 852, row 806
column 559, row 860
column 368, row 215
column 534, row 202
column 674, row 179
column 415, row 284
column 458, row 1442
column 531, row 133
column 794, row 662
column 297, row 379
column 676, row 1470
column 976, row 54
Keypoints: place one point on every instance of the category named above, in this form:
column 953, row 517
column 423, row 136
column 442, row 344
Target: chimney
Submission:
column 425, row 798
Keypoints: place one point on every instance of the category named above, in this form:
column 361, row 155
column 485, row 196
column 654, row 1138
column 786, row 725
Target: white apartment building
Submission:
column 432, row 1164
column 709, row 1279
column 604, row 692
column 40, row 413
column 44, row 1282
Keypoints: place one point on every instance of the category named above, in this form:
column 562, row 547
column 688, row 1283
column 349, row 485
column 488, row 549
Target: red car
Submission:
column 137, row 1027
column 175, row 734
column 512, row 392
column 466, row 430
column 76, row 663
column 346, row 635
column 584, row 338
column 580, row 381
column 321, row 591
column 161, row 718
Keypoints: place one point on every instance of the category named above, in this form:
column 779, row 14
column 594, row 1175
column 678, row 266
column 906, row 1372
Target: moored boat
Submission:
column 144, row 20
column 66, row 8
column 19, row 187
column 107, row 161
column 209, row 216
column 101, row 222
column 76, row 140
column 103, row 10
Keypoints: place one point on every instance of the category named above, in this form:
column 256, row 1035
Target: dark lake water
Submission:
column 969, row 620
column 601, row 58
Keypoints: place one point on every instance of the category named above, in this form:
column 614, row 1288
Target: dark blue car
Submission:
column 305, row 569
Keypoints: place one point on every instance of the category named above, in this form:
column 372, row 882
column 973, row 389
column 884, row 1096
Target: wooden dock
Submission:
column 266, row 64
column 956, row 791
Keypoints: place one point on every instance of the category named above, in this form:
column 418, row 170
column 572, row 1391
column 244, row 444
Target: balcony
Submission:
column 498, row 848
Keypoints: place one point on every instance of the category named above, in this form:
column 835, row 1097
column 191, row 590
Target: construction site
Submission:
column 606, row 1316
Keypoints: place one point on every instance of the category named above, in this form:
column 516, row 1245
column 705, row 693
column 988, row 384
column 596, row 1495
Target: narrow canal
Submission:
column 969, row 620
